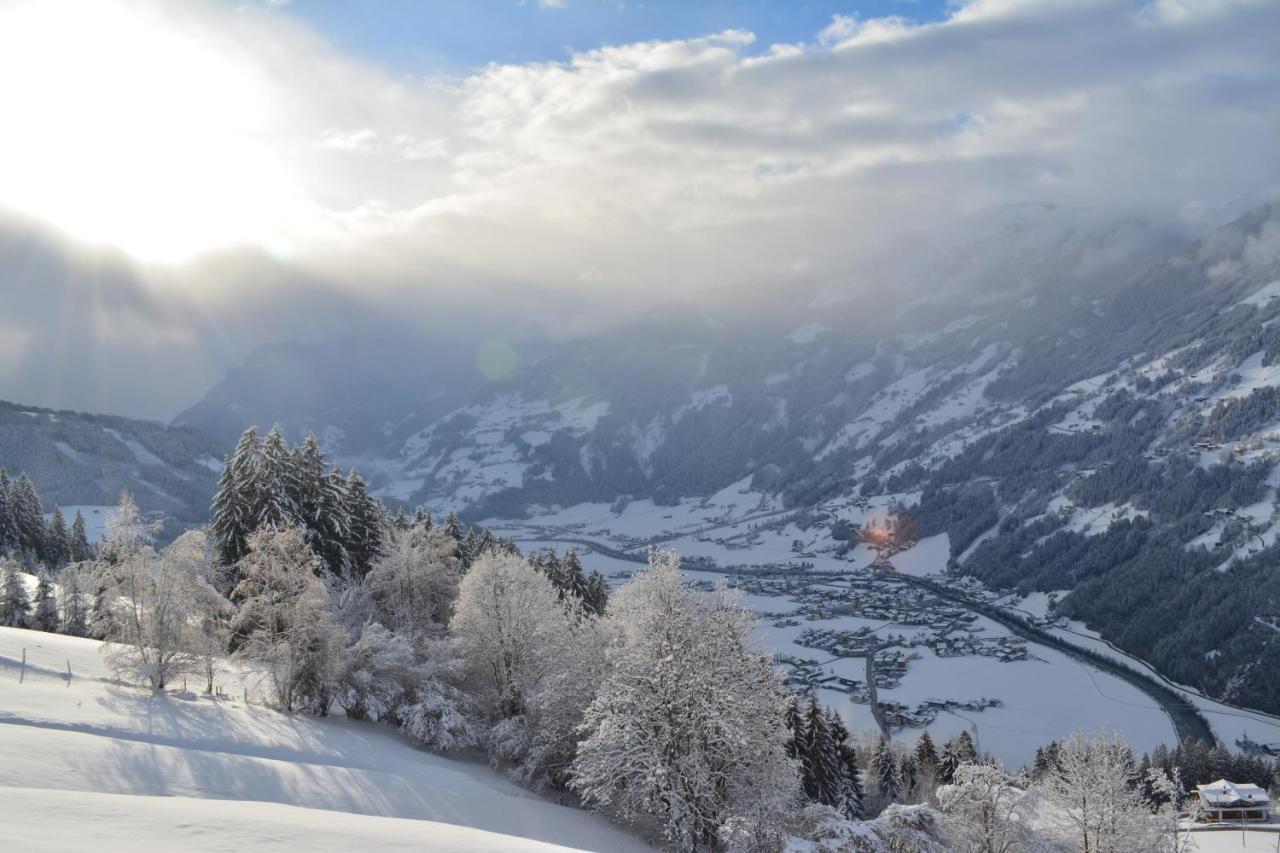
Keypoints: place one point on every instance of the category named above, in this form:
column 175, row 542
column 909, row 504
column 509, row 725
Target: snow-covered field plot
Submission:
column 1234, row 841
column 80, row 741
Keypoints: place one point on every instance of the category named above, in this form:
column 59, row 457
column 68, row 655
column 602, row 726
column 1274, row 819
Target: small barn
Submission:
column 1234, row 801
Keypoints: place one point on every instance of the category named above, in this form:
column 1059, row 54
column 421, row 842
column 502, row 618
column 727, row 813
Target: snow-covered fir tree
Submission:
column 234, row 513
column 57, row 540
column 44, row 615
column 884, row 765
column 15, row 603
column 79, row 548
column 8, row 527
column 76, row 580
column 28, row 516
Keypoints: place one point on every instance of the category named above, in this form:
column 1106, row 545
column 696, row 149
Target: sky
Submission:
column 186, row 180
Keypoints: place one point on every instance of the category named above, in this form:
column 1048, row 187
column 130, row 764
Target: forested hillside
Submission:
column 78, row 459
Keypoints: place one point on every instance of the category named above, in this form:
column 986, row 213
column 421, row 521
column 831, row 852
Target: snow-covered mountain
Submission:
column 1043, row 380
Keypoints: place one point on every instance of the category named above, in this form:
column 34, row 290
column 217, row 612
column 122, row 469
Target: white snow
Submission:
column 89, row 748
column 808, row 333
column 1262, row 295
column 75, row 821
column 927, row 557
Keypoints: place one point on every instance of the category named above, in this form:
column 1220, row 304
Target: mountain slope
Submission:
column 81, row 459
column 117, row 751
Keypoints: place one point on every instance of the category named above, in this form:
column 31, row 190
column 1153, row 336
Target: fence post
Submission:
column 22, row 673
column 68, row 672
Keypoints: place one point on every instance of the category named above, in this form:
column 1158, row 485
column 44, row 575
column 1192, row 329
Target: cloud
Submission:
column 661, row 167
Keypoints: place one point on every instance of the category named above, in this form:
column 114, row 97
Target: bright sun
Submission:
column 122, row 128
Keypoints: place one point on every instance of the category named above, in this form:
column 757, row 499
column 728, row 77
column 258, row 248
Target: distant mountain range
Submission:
column 1083, row 402
column 79, row 459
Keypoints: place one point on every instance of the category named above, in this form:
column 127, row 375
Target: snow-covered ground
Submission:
column 1044, row 698
column 1234, row 841
column 117, row 766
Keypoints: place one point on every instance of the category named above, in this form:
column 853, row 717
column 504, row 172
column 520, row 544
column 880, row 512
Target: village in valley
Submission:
column 861, row 612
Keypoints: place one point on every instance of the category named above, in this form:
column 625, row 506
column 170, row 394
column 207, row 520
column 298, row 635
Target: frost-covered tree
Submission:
column 76, row 580
column 128, row 533
column 1177, row 806
column 156, row 600
column 15, row 603
column 45, row 615
column 414, row 583
column 986, row 812
column 558, row 705
column 1095, row 804
column 510, row 626
column 688, row 729
column 282, row 623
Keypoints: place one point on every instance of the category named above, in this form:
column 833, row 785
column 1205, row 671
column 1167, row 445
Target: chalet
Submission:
column 1232, row 801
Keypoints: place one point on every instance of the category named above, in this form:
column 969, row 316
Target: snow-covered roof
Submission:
column 1224, row 793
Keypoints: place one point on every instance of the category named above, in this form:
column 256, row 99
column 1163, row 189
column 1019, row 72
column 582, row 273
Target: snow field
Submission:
column 114, row 749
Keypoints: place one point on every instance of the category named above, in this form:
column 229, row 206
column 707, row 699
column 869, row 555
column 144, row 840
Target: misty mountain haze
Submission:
column 749, row 427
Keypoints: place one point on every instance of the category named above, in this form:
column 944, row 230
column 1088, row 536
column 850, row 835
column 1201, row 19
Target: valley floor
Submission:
column 1044, row 697
column 89, row 764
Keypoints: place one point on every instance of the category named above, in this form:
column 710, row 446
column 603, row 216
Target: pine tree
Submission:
column 46, row 606
column 596, row 597
column 75, row 614
column 949, row 763
column 57, row 552
column 234, row 513
column 15, row 604
column 851, row 794
column 885, row 765
column 818, row 760
column 795, row 728
column 964, row 747
column 8, row 523
column 909, row 774
column 926, row 756
column 29, row 517
column 81, row 550
column 274, row 484
column 364, row 525
column 453, row 526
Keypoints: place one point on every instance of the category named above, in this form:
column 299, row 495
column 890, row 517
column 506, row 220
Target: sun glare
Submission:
column 123, row 129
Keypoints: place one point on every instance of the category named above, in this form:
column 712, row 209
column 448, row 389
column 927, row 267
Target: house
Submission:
column 1232, row 801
